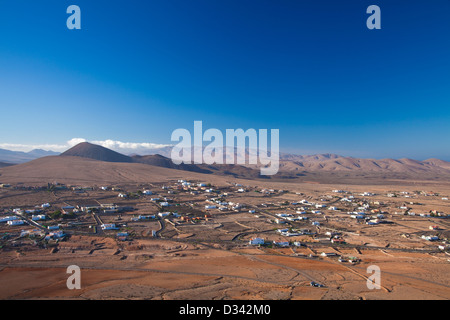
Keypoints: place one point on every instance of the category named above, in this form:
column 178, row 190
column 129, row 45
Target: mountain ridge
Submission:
column 290, row 165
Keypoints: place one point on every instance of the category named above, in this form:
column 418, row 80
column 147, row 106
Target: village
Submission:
column 335, row 224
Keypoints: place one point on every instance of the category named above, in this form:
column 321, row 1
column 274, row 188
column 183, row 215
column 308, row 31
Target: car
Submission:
column 316, row 284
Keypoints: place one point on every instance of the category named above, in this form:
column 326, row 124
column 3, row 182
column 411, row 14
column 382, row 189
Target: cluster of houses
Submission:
column 291, row 233
column 261, row 241
column 220, row 204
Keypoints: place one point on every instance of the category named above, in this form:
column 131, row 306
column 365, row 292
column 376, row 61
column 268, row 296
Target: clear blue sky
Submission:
column 140, row 69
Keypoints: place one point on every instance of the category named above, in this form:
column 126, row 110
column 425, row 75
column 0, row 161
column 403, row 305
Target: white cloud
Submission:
column 117, row 145
column 142, row 148
column 75, row 141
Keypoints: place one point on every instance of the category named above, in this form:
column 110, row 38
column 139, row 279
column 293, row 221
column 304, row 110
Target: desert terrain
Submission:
column 139, row 231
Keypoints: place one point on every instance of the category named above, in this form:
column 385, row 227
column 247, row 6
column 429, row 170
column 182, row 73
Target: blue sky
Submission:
column 137, row 70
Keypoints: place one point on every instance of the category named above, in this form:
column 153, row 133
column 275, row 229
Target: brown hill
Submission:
column 5, row 164
column 96, row 152
column 73, row 170
column 348, row 164
column 161, row 161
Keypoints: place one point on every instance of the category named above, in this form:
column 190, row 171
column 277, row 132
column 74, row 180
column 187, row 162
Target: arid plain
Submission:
column 189, row 237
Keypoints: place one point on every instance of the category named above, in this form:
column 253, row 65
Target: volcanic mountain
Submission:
column 95, row 152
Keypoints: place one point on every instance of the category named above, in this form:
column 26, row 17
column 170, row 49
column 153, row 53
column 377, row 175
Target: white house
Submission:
column 38, row 217
column 430, row 238
column 281, row 243
column 9, row 218
column 15, row 222
column 256, row 241
column 163, row 214
column 109, row 226
column 55, row 235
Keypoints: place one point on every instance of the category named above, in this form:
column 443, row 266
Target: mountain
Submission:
column 14, row 157
column 325, row 168
column 38, row 153
column 79, row 170
column 291, row 166
column 95, row 152
column 348, row 164
column 161, row 161
column 5, row 164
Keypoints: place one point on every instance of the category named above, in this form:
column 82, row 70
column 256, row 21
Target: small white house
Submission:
column 163, row 214
column 15, row 222
column 281, row 243
column 109, row 226
column 9, row 218
column 38, row 217
column 256, row 241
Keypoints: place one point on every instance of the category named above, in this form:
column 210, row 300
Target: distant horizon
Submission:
column 118, row 146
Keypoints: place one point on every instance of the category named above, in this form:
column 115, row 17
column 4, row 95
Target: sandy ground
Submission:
column 156, row 269
column 199, row 261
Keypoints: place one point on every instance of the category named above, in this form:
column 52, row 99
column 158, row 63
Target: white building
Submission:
column 15, row 222
column 38, row 217
column 256, row 241
column 109, row 226
column 9, row 218
column 281, row 243
column 163, row 214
